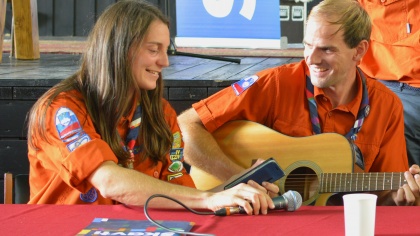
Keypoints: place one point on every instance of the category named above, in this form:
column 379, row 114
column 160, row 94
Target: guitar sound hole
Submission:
column 303, row 180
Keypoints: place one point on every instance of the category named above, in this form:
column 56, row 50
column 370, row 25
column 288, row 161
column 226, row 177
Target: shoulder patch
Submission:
column 243, row 84
column 81, row 139
column 69, row 129
column 66, row 123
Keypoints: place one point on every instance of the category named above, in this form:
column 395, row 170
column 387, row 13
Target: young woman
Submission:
column 105, row 135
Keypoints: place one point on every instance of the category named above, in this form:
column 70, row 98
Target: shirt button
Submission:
column 156, row 174
column 329, row 113
column 383, row 1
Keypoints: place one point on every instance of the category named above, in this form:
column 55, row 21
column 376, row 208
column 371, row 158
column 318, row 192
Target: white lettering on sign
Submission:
column 222, row 8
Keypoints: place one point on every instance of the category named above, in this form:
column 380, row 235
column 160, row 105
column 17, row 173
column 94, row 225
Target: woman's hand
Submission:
column 271, row 189
column 252, row 197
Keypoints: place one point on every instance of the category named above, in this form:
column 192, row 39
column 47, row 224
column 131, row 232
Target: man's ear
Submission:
column 361, row 50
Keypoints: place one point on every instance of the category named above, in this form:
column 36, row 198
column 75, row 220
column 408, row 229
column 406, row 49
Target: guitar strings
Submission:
column 358, row 181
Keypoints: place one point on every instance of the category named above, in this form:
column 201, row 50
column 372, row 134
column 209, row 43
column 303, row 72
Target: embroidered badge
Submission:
column 81, row 139
column 90, row 196
column 174, row 176
column 176, row 154
column 176, row 166
column 67, row 124
column 177, row 140
column 243, row 84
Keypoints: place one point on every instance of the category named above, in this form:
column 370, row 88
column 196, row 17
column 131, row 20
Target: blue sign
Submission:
column 233, row 19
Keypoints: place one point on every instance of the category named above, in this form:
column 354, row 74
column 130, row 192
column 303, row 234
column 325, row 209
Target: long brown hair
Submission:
column 106, row 82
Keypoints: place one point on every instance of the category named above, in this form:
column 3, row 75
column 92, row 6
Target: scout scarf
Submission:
column 361, row 115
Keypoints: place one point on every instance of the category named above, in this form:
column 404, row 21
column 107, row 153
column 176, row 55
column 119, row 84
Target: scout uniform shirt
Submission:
column 59, row 169
column 276, row 98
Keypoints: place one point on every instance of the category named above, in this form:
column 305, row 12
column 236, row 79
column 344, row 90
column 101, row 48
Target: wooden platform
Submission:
column 187, row 79
column 76, row 45
column 183, row 71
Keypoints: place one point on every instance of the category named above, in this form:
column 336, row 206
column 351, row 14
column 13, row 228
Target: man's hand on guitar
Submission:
column 409, row 194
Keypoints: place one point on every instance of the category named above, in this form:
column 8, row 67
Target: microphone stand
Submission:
column 173, row 51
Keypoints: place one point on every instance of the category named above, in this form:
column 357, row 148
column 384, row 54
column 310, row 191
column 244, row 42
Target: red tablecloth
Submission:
column 308, row 220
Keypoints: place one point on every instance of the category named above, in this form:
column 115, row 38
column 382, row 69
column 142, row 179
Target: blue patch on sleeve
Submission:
column 69, row 129
column 67, row 123
column 243, row 84
column 81, row 139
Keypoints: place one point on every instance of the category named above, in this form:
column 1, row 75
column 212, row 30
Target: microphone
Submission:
column 290, row 201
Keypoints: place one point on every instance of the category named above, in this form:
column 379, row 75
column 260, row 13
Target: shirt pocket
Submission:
column 389, row 20
column 369, row 152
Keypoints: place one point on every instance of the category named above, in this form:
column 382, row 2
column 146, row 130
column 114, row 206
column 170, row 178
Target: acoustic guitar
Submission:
column 315, row 166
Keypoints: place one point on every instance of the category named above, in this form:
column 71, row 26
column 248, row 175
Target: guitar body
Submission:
column 302, row 159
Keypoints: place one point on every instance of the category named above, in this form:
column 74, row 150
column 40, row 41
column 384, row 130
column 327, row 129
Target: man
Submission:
column 394, row 58
column 325, row 92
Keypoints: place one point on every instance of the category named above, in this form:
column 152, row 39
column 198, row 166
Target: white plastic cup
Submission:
column 359, row 214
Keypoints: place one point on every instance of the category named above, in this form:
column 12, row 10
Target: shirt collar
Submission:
column 353, row 106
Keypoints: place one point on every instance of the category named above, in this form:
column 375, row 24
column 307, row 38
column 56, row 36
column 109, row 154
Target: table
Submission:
column 21, row 219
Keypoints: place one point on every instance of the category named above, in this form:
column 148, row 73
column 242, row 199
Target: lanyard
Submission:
column 361, row 115
column 132, row 135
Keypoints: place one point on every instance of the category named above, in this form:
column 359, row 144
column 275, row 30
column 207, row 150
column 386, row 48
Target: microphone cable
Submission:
column 146, row 213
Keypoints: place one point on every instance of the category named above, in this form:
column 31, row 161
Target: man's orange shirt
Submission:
column 276, row 98
column 394, row 50
column 59, row 169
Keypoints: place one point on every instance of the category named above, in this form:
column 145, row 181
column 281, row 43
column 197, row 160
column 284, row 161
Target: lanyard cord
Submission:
column 361, row 115
column 132, row 135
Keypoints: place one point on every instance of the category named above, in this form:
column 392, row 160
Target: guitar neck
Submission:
column 360, row 182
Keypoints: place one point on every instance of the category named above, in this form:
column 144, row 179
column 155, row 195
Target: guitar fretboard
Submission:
column 354, row 182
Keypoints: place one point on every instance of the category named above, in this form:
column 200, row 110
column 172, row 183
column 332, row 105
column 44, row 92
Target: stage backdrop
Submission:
column 228, row 23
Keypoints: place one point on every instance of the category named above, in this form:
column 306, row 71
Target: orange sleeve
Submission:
column 241, row 101
column 73, row 150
